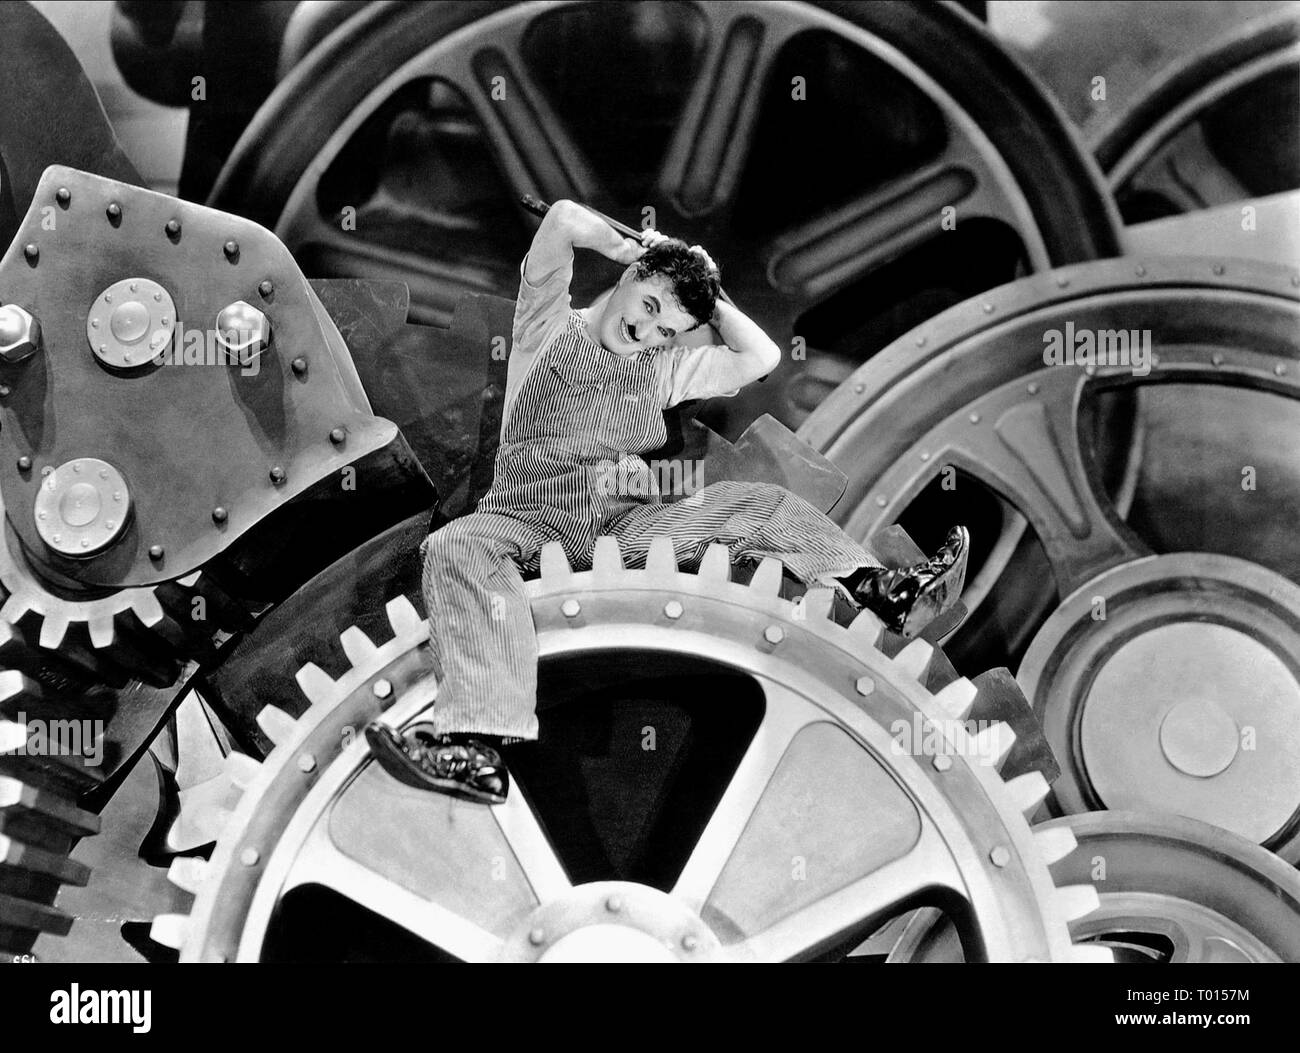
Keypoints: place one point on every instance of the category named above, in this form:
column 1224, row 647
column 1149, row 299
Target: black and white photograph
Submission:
column 663, row 481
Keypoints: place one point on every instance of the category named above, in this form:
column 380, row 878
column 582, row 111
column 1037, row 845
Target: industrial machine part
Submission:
column 1194, row 577
column 1172, row 890
column 819, row 824
column 398, row 148
column 1221, row 125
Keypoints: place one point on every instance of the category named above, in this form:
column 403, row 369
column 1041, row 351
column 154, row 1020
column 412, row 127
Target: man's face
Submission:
column 641, row 314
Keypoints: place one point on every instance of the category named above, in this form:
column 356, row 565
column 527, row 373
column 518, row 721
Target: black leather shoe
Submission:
column 909, row 598
column 418, row 757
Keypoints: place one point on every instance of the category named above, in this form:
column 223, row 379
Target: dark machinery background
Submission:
column 907, row 196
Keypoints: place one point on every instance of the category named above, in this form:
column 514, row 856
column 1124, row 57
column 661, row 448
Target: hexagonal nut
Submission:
column 243, row 330
column 20, row 333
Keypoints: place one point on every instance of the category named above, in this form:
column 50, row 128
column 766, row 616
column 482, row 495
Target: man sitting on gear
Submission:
column 588, row 388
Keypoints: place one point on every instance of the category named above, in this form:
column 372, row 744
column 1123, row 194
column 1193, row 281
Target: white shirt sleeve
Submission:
column 541, row 313
column 700, row 373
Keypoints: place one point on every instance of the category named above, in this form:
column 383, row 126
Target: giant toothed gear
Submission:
column 1148, row 597
column 820, row 779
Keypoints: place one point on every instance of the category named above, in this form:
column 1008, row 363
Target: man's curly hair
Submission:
column 693, row 282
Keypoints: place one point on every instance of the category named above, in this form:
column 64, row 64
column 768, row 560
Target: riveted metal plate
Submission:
column 196, row 433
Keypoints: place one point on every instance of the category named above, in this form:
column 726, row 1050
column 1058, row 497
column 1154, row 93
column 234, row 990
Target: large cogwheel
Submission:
column 860, row 794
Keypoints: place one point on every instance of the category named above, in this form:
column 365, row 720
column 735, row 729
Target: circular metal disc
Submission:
column 82, row 506
column 130, row 322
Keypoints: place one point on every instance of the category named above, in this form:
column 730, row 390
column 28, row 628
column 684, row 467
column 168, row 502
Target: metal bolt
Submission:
column 942, row 762
column 337, row 435
column 537, row 937
column 63, row 196
column 306, row 763
column 173, row 228
column 32, row 253
column 114, row 213
column 299, row 366
column 774, row 634
column 614, row 904
column 155, row 552
column 24, row 463
column 673, row 609
column 864, row 685
column 231, row 249
column 20, row 333
column 219, row 514
column 570, row 608
column 277, row 475
column 243, row 330
column 265, row 288
column 249, row 856
column 382, row 688
column 1000, row 856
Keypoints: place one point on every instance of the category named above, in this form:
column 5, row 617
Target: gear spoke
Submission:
column 856, row 908
column 535, row 152
column 321, row 863
column 1029, row 449
column 785, row 716
column 707, row 153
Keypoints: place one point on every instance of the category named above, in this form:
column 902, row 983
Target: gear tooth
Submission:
column 555, row 563
column 867, row 629
column 1055, row 842
column 101, row 631
column 1090, row 953
column 956, row 698
column 662, row 557
column 147, row 608
column 767, row 578
column 240, row 768
column 403, row 617
column 1076, row 901
column 716, row 565
column 315, row 683
column 359, row 648
column 606, row 558
column 914, row 660
column 170, row 930
column 1028, row 791
column 275, row 723
column 12, row 735
column 994, row 743
column 54, row 628
column 187, row 872
column 818, row 602
column 14, row 687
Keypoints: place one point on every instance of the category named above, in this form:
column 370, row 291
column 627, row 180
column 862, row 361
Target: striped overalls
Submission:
column 582, row 416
